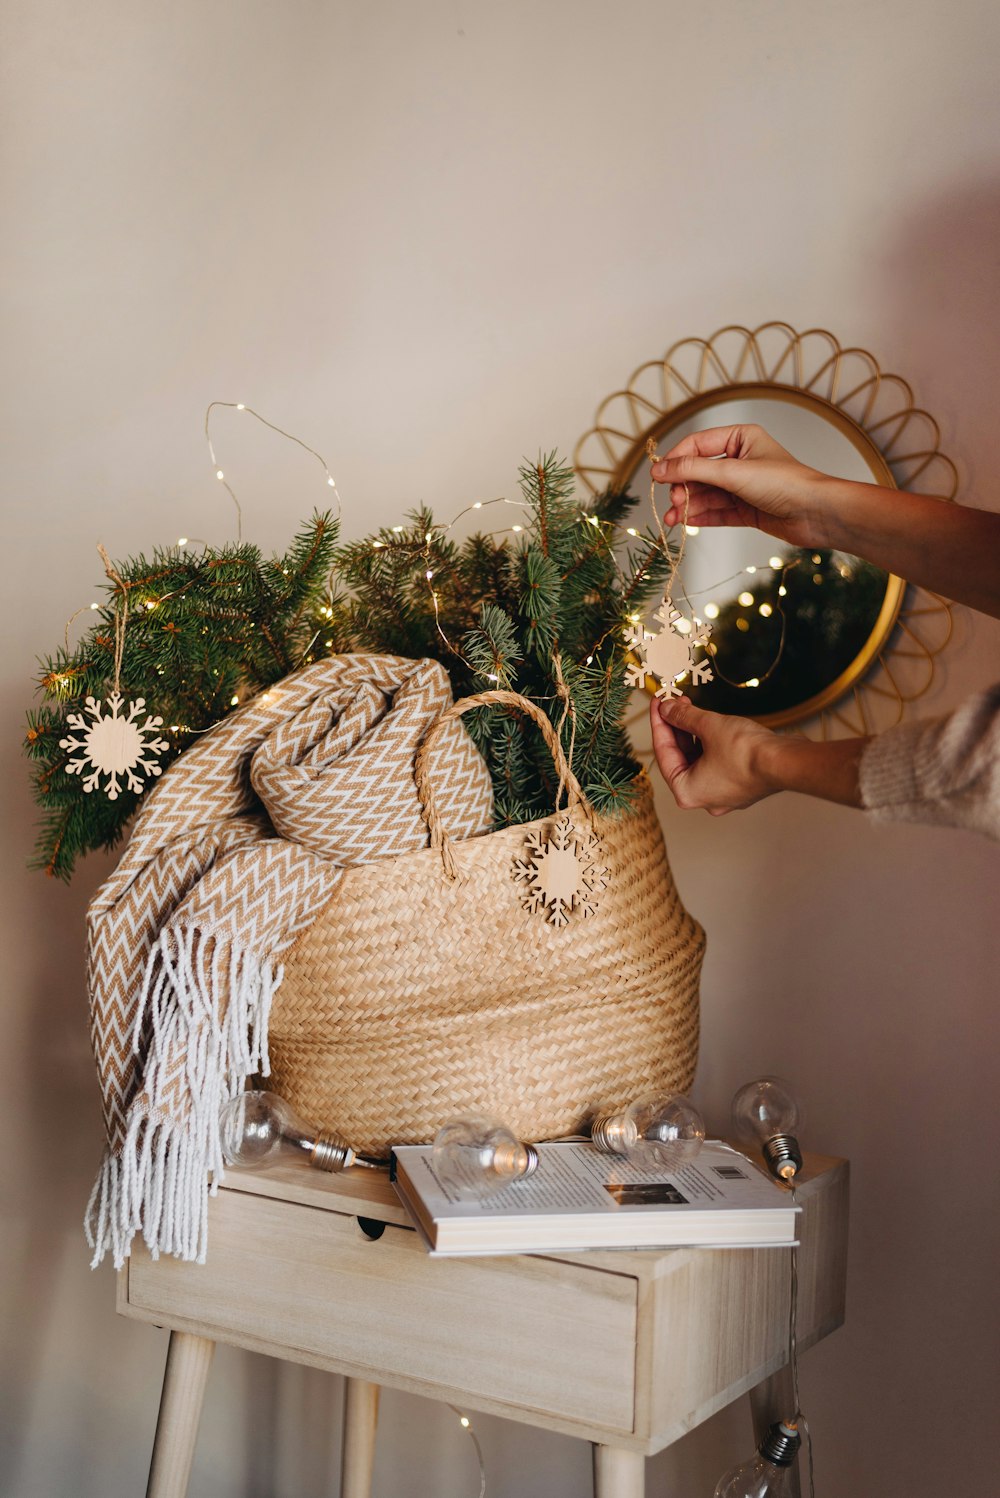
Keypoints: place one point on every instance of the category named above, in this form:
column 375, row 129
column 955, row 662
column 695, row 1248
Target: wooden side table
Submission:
column 628, row 1350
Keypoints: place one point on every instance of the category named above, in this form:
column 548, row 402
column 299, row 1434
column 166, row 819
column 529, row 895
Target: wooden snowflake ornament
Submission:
column 114, row 745
column 561, row 871
column 668, row 654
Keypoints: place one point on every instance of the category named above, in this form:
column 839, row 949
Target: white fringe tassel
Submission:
column 203, row 1014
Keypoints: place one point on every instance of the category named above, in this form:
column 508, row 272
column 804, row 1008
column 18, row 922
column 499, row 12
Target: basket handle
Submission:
column 425, row 791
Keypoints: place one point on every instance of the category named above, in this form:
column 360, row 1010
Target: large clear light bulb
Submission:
column 475, row 1156
column 257, row 1125
column 768, row 1473
column 660, row 1131
column 766, row 1114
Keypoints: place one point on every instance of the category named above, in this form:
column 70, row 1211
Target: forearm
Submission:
column 951, row 549
column 829, row 770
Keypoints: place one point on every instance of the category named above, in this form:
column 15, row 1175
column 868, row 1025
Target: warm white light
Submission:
column 817, row 558
column 150, row 603
column 683, row 626
column 517, row 527
column 754, row 682
column 632, row 531
column 782, row 591
column 329, row 644
column 397, row 529
column 711, row 611
column 593, row 520
column 428, row 538
column 491, row 677
column 330, row 482
column 95, row 605
column 465, row 1421
column 817, row 577
column 590, row 660
column 746, row 599
column 634, row 618
column 240, row 406
column 751, row 570
column 182, row 540
column 692, row 530
column 234, row 701
column 766, row 610
column 377, row 544
column 774, row 561
column 219, row 473
column 428, row 575
column 478, row 505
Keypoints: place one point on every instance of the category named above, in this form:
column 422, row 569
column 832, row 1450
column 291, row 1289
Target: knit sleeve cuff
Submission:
column 888, row 771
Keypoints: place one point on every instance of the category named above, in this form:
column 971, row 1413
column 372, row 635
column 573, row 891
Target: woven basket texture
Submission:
column 413, row 998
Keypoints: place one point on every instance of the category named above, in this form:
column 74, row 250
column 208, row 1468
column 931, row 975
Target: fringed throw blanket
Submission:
column 234, row 853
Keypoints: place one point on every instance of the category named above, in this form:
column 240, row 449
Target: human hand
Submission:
column 739, row 475
column 710, row 760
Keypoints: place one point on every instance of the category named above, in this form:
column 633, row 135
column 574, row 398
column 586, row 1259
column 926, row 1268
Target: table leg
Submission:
column 358, row 1450
column 772, row 1400
column 618, row 1473
column 188, row 1361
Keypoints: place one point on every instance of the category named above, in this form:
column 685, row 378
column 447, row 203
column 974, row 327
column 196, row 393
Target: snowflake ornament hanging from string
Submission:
column 669, row 653
column 561, row 871
column 114, row 745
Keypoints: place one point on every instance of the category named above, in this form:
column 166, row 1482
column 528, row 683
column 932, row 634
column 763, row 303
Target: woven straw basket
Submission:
column 416, row 996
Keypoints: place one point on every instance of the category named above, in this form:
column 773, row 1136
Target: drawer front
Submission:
column 538, row 1334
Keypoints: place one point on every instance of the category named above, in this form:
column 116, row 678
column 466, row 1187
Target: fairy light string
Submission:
column 272, row 426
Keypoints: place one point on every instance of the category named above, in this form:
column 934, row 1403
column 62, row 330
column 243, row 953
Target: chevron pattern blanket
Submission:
column 234, row 853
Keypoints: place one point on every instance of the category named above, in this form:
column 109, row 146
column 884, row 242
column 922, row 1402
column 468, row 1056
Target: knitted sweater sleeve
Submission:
column 945, row 771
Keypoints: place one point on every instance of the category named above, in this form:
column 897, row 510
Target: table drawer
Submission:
column 537, row 1333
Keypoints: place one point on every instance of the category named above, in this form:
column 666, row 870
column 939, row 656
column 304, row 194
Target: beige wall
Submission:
column 430, row 238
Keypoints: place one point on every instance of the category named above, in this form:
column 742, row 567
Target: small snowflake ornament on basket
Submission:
column 669, row 653
column 561, row 871
column 114, row 745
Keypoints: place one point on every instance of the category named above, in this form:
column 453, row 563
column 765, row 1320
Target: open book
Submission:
column 579, row 1198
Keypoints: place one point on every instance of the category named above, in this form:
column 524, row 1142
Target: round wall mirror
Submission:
column 794, row 632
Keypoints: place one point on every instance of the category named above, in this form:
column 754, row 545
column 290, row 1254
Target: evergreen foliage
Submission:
column 541, row 612
column 201, row 628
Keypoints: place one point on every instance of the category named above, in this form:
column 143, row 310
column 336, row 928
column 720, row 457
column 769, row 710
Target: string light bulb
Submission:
column 658, row 1130
column 770, row 1471
column 765, row 1113
column 476, row 1156
column 256, row 1126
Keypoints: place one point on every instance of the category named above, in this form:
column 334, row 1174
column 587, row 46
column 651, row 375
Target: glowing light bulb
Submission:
column 782, row 591
column 182, row 540
column 219, row 473
column 240, row 406
column 660, row 1130
column 774, row 562
column 234, row 702
column 816, row 558
column 517, row 527
column 95, row 605
column 746, row 599
column 692, row 530
column 330, row 482
column 397, row 529
column 766, row 1114
column 683, row 626
column 631, row 531
column 751, row 570
column 257, row 1125
column 766, row 610
column 711, row 611
column 377, row 545
column 478, row 505
column 769, row 1472
column 754, row 681
column 476, row 1156
column 593, row 520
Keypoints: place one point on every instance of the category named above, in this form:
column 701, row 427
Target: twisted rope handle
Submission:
column 421, row 775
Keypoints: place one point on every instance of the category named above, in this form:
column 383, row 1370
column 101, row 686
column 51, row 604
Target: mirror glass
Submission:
column 780, row 655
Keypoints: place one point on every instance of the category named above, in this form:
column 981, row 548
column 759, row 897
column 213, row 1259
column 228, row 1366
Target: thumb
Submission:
column 680, row 712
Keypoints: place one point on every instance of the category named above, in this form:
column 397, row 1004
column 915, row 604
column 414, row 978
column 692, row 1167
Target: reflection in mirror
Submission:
column 787, row 624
